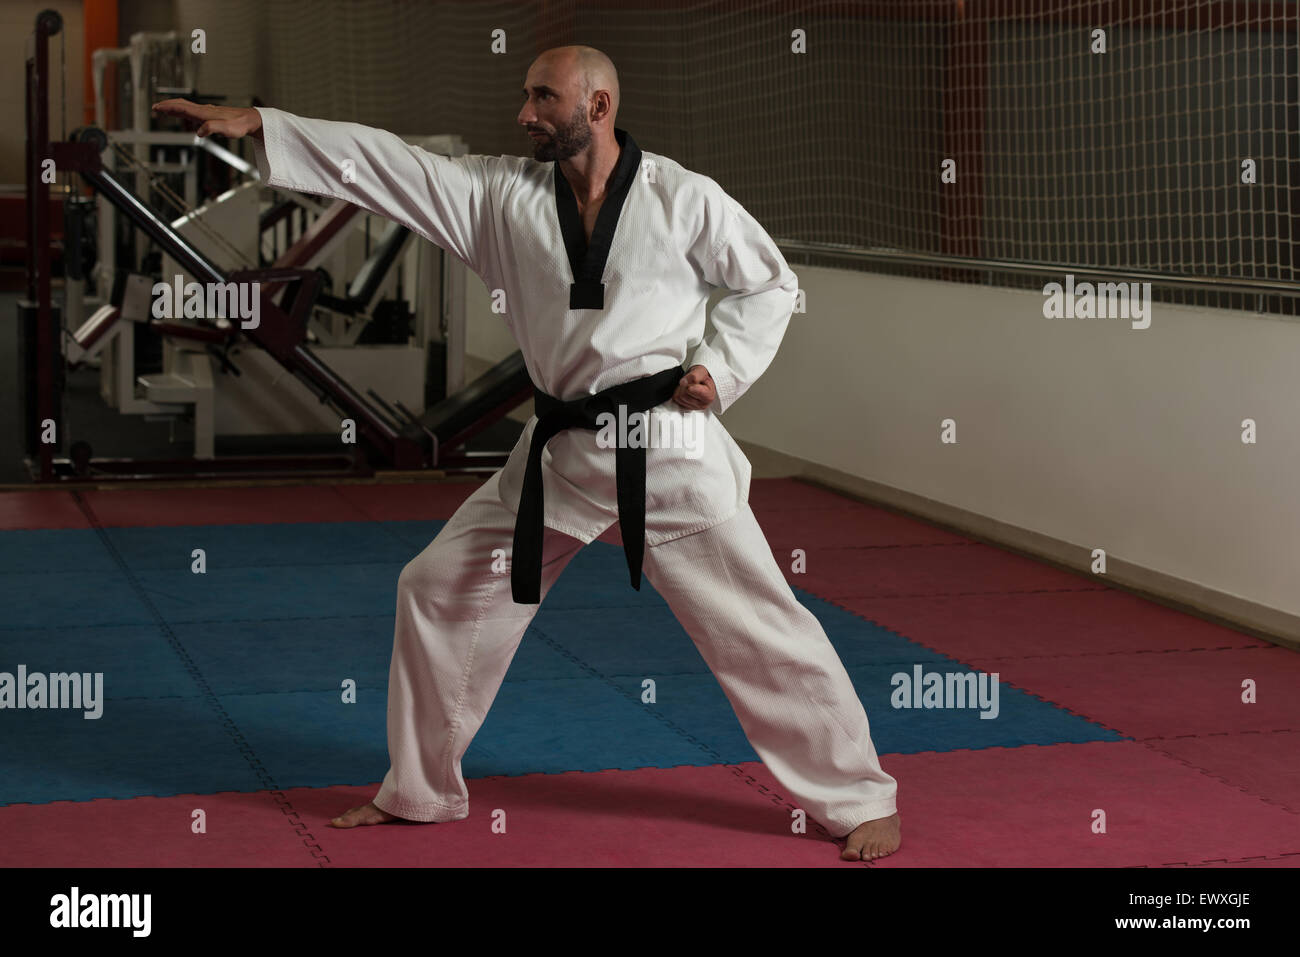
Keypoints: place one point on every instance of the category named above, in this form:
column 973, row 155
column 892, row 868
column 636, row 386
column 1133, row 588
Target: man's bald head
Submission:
column 588, row 69
column 571, row 99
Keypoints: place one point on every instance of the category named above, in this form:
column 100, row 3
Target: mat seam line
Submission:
column 227, row 722
column 718, row 759
column 965, row 594
column 1244, row 789
column 1230, row 860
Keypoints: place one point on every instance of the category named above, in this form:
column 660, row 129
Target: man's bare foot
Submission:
column 360, row 816
column 873, row 839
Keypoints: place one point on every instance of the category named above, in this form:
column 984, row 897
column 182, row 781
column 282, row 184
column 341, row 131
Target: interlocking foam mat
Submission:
column 221, row 692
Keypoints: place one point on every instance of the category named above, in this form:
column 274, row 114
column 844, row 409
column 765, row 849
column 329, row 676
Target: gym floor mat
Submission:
column 225, row 691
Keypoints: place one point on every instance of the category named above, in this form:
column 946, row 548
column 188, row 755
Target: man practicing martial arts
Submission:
column 604, row 256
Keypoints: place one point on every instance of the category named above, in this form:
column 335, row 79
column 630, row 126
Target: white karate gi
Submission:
column 457, row 626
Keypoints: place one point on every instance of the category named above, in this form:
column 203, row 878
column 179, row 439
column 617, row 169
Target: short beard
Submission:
column 568, row 141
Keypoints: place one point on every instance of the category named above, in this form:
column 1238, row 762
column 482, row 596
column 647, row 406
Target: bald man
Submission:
column 604, row 255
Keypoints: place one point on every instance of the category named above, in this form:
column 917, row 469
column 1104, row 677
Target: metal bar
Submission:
column 472, row 462
column 491, row 417
column 1213, row 284
column 229, row 158
column 323, row 231
column 156, row 137
column 30, row 173
column 230, row 467
column 176, row 245
column 1265, row 15
column 197, row 333
column 396, row 419
column 48, row 23
column 402, row 453
column 273, row 215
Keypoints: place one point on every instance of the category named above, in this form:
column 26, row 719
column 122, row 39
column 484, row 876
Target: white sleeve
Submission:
column 751, row 322
column 441, row 198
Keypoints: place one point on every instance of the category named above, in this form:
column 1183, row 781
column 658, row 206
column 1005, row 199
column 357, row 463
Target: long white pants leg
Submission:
column 778, row 669
column 457, row 629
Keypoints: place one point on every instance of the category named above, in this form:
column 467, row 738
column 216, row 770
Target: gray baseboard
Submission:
column 1232, row 611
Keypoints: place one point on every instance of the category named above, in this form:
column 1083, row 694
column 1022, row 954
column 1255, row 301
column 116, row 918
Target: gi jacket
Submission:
column 513, row 221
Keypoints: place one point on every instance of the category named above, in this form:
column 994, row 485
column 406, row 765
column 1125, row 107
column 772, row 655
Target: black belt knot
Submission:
column 553, row 417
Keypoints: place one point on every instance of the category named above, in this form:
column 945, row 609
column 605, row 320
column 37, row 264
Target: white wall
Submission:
column 1072, row 434
column 1087, row 431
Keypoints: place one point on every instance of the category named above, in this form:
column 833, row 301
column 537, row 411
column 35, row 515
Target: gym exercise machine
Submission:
column 388, row 435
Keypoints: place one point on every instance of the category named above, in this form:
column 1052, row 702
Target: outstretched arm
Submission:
column 443, row 199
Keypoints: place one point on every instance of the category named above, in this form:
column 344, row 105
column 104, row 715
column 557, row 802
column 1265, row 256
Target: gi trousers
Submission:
column 457, row 629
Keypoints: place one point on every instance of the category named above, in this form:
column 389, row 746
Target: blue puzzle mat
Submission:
column 232, row 680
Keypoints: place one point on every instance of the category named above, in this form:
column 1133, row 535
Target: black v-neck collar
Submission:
column 588, row 260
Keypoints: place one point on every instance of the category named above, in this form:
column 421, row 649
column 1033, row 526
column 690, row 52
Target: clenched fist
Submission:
column 696, row 390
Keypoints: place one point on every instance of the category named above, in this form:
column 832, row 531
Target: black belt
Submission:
column 554, row 416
